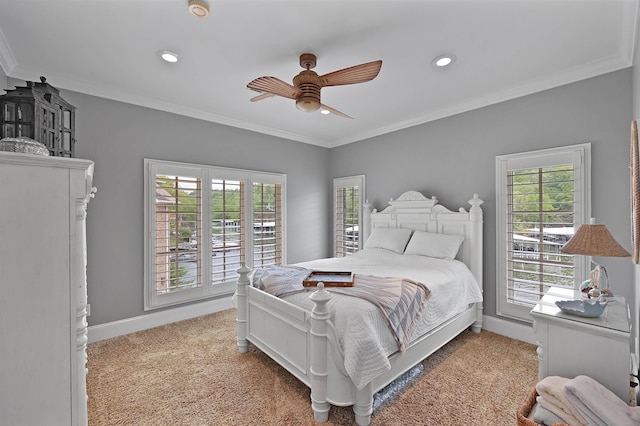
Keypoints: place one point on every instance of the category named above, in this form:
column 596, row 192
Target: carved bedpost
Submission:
column 242, row 308
column 318, row 365
column 366, row 223
column 475, row 216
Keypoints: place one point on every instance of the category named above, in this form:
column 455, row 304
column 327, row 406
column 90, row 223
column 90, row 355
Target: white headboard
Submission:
column 413, row 210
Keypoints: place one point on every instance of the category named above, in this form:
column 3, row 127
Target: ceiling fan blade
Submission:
column 352, row 75
column 275, row 86
column 261, row 97
column 335, row 111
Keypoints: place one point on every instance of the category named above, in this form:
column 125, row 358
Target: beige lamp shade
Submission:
column 594, row 240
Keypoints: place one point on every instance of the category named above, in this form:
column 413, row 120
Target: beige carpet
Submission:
column 190, row 373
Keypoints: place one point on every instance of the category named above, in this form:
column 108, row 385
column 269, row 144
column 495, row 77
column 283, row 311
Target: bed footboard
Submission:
column 303, row 343
column 306, row 345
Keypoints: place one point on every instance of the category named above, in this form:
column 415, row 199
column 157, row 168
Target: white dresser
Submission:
column 570, row 345
column 43, row 293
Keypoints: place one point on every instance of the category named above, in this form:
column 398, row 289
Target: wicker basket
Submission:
column 23, row 145
column 523, row 412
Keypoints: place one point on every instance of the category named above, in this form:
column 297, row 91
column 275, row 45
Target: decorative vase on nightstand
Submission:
column 582, row 308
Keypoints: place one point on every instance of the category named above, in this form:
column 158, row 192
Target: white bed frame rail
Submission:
column 305, row 343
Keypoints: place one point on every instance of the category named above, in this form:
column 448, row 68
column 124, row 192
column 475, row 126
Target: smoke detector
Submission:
column 199, row 8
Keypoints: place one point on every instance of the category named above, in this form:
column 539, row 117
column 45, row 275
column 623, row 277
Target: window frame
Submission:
column 580, row 156
column 206, row 173
column 357, row 181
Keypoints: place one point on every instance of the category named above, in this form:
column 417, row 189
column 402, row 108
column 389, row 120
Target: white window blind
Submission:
column 177, row 232
column 202, row 223
column 227, row 229
column 542, row 199
column 267, row 224
column 540, row 211
column 347, row 222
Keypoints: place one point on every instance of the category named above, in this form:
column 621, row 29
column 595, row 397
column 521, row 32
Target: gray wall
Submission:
column 118, row 136
column 453, row 158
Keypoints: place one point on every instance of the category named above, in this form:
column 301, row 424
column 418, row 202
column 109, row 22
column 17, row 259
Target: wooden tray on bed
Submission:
column 329, row 278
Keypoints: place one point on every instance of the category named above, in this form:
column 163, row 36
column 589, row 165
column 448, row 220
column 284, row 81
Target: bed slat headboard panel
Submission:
column 414, row 211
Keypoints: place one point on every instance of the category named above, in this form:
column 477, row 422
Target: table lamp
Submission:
column 595, row 240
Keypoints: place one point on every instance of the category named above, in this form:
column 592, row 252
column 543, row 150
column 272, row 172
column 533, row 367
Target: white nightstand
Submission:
column 570, row 345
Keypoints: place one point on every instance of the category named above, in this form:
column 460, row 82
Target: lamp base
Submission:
column 594, row 287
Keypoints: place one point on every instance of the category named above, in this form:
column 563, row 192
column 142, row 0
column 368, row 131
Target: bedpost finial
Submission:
column 475, row 202
column 243, row 268
column 321, row 296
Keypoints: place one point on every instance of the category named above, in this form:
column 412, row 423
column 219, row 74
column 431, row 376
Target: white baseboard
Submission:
column 509, row 328
column 156, row 319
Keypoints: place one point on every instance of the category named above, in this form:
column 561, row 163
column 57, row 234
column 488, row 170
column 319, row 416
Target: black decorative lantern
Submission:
column 37, row 111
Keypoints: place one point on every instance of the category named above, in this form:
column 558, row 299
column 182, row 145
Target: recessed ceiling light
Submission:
column 444, row 60
column 198, row 8
column 169, row 56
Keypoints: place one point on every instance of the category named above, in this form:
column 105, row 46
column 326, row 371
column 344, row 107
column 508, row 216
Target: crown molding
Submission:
column 611, row 64
column 629, row 16
column 65, row 83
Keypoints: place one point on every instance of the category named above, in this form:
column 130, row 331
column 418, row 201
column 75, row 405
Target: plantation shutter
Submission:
column 541, row 211
column 227, row 229
column 542, row 198
column 267, row 224
column 347, row 215
column 201, row 224
column 178, row 214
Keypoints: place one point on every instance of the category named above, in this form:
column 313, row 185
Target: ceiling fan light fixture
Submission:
column 198, row 8
column 443, row 60
column 307, row 84
column 325, row 111
column 307, row 103
column 169, row 56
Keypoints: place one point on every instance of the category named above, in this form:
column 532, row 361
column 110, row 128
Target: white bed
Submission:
column 303, row 332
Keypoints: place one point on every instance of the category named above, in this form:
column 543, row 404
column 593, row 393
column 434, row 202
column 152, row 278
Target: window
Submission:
column 542, row 196
column 347, row 219
column 202, row 222
column 267, row 224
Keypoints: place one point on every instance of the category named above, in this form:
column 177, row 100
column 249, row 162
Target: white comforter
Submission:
column 362, row 331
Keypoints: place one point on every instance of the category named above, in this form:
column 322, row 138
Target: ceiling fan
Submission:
column 306, row 85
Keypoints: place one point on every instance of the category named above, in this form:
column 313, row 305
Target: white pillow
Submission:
column 394, row 239
column 441, row 246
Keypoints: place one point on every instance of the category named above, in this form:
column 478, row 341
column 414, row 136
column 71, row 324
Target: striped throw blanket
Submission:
column 401, row 301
